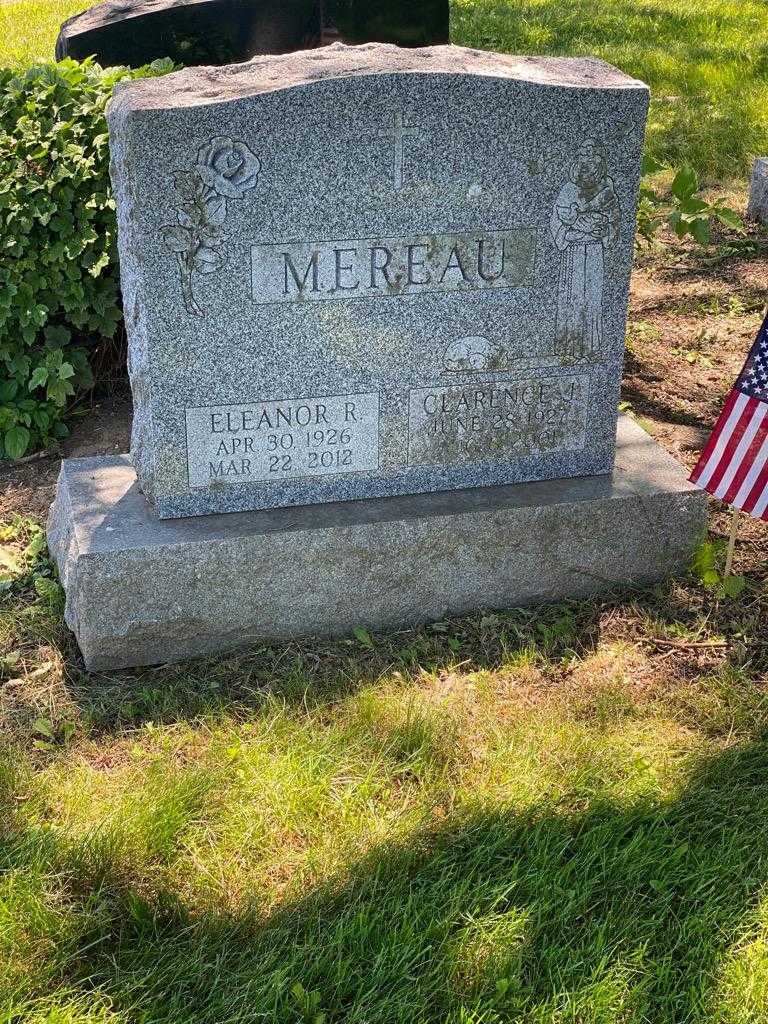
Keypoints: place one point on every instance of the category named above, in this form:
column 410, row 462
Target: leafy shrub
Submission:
column 683, row 210
column 59, row 284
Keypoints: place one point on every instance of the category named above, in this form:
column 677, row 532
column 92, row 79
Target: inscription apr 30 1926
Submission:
column 295, row 437
column 481, row 421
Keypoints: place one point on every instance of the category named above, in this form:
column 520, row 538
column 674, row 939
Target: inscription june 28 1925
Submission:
column 296, row 437
column 480, row 421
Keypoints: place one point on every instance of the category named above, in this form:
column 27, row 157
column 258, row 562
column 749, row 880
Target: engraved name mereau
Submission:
column 359, row 268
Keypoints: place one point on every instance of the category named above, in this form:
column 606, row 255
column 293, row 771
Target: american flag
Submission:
column 734, row 464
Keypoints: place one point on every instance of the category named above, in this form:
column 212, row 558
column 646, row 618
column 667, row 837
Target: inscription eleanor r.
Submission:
column 294, row 437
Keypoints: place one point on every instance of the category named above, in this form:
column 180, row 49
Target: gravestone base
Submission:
column 141, row 591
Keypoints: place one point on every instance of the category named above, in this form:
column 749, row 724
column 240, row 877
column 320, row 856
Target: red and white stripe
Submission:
column 734, row 464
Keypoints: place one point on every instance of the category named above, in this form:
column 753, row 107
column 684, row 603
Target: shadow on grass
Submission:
column 325, row 671
column 659, row 409
column 311, row 672
column 592, row 911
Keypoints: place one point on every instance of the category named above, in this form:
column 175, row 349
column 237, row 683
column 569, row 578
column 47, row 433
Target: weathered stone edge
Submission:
column 133, row 286
column 64, row 548
column 208, row 85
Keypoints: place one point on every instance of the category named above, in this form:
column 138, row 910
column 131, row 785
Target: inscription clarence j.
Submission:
column 282, row 440
column 349, row 269
column 483, row 421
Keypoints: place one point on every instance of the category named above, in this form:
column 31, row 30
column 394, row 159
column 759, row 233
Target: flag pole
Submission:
column 731, row 541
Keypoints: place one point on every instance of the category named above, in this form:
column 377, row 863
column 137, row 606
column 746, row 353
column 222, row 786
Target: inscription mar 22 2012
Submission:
column 484, row 422
column 279, row 440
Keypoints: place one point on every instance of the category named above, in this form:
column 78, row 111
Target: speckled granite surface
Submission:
column 366, row 271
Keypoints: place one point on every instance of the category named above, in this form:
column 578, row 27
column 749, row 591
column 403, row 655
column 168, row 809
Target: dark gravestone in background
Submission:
column 405, row 22
column 135, row 32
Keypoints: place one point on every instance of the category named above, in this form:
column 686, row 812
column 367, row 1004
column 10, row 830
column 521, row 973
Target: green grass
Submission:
column 706, row 61
column 554, row 815
column 28, row 29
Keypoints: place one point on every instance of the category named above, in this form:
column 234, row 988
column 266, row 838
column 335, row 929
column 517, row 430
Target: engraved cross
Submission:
column 402, row 131
column 398, row 133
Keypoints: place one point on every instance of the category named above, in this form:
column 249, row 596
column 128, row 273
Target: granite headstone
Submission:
column 142, row 590
column 378, row 274
column 191, row 32
column 366, row 271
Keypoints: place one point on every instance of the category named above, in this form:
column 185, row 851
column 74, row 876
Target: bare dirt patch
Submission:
column 689, row 333
column 27, row 487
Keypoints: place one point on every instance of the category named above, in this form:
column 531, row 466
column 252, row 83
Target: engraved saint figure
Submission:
column 585, row 219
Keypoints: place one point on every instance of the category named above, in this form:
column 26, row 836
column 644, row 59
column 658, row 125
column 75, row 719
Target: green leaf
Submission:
column 703, row 558
column 44, row 727
column 685, row 183
column 35, row 546
column 650, row 166
column 690, row 204
column 8, row 390
column 729, row 217
column 734, row 585
column 57, row 335
column 48, row 589
column 39, row 378
column 59, row 391
column 16, row 441
column 363, row 637
column 699, row 228
column 710, row 577
column 9, row 560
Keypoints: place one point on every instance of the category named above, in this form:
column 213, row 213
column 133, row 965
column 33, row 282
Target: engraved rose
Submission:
column 225, row 170
column 228, row 167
